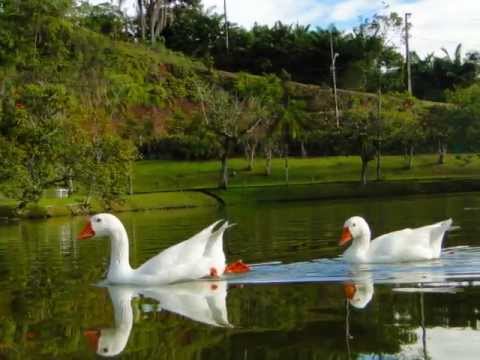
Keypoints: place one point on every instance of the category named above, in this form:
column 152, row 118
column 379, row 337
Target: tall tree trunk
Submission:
column 71, row 188
column 130, row 184
column 410, row 156
column 250, row 152
column 223, row 184
column 268, row 159
column 154, row 19
column 379, row 160
column 364, row 171
column 246, row 150
column 141, row 13
column 303, row 149
column 286, row 163
column 364, row 155
column 251, row 159
column 442, row 151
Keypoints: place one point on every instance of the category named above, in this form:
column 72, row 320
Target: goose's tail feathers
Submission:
column 215, row 237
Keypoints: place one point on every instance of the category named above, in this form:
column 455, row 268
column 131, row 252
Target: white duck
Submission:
column 200, row 256
column 424, row 243
column 201, row 301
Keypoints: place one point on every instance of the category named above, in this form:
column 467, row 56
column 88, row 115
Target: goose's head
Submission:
column 359, row 295
column 99, row 225
column 106, row 342
column 112, row 342
column 355, row 227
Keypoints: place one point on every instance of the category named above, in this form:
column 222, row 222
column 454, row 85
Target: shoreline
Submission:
column 210, row 197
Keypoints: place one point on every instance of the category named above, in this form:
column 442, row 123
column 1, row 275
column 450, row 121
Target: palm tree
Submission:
column 457, row 60
column 289, row 125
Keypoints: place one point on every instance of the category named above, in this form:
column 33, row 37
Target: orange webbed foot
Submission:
column 237, row 267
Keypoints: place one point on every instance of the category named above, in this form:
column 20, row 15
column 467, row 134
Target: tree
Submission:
column 405, row 116
column 37, row 141
column 230, row 119
column 156, row 15
column 289, row 125
column 44, row 144
column 433, row 75
column 440, row 128
column 360, row 127
column 465, row 116
column 104, row 18
column 195, row 32
column 268, row 91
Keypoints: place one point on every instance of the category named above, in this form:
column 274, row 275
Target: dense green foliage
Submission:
column 79, row 101
column 305, row 53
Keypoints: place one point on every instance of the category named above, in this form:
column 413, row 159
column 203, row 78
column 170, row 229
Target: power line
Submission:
column 407, row 54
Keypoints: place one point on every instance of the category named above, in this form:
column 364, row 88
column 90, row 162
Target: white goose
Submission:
column 201, row 301
column 200, row 256
column 424, row 243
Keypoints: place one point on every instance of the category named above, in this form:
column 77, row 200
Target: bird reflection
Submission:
column 201, row 301
column 359, row 293
column 360, row 290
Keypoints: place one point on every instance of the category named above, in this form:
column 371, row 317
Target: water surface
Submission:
column 294, row 309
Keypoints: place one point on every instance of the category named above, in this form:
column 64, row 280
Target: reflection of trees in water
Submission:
column 294, row 321
column 46, row 301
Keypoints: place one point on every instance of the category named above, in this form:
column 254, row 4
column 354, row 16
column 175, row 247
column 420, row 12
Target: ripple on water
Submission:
column 458, row 266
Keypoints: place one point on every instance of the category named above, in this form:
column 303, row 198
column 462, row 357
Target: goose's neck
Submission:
column 119, row 255
column 362, row 242
column 123, row 312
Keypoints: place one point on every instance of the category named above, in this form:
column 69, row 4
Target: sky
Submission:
column 435, row 23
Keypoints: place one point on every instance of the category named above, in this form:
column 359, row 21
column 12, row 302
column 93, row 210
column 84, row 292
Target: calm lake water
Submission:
column 294, row 308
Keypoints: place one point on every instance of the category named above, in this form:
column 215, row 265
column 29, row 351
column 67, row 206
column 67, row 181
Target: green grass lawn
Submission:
column 174, row 175
column 48, row 207
column 163, row 182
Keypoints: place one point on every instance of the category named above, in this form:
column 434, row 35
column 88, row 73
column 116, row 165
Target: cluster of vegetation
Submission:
column 61, row 89
column 305, row 53
column 86, row 90
column 184, row 25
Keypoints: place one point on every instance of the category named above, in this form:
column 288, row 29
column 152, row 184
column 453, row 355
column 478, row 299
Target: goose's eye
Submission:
column 98, row 220
column 105, row 350
column 353, row 225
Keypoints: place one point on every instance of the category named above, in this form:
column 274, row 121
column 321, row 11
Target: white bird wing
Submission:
column 410, row 244
column 186, row 252
column 202, row 301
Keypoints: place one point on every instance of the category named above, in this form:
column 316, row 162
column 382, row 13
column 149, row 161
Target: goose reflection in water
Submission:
column 201, row 301
column 359, row 292
column 408, row 277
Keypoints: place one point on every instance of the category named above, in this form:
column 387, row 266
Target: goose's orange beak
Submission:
column 87, row 232
column 349, row 290
column 92, row 337
column 345, row 237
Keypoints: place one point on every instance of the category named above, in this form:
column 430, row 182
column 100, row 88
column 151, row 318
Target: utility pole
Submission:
column 379, row 123
column 407, row 54
column 334, row 58
column 226, row 24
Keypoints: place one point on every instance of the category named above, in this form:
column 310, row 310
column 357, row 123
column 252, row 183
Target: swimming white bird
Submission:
column 200, row 256
column 201, row 301
column 423, row 243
